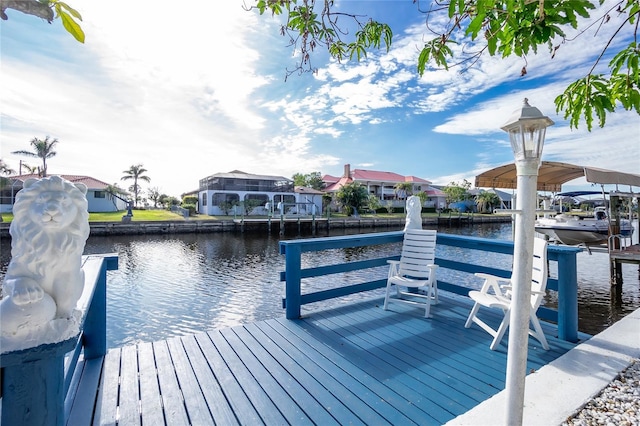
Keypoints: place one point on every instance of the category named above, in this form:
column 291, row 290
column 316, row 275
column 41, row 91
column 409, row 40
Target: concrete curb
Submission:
column 561, row 388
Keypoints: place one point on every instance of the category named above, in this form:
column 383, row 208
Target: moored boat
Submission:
column 574, row 230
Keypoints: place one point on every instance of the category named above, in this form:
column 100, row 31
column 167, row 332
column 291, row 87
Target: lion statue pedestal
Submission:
column 44, row 279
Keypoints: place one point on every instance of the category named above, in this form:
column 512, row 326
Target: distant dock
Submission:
column 300, row 224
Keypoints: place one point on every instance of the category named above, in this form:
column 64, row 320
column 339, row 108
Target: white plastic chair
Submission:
column 416, row 269
column 501, row 297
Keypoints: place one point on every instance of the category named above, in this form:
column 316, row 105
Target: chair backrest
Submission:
column 540, row 272
column 418, row 251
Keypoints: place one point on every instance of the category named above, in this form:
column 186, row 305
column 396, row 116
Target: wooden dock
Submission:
column 356, row 364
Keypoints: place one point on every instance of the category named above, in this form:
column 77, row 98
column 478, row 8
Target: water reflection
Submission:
column 174, row 285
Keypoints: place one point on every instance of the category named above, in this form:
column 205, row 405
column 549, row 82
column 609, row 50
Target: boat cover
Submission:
column 602, row 176
column 552, row 175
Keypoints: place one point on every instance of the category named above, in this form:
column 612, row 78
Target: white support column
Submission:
column 521, row 296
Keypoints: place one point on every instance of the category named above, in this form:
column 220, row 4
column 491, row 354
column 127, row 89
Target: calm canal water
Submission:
column 172, row 285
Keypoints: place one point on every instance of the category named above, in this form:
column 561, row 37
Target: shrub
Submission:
column 190, row 199
column 190, row 207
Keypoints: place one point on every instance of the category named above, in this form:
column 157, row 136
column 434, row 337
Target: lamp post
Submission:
column 526, row 128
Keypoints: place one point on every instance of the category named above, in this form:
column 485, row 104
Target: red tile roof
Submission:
column 372, row 175
column 91, row 183
column 416, row 179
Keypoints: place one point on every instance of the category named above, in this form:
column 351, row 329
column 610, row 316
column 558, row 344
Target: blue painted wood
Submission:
column 107, row 399
column 293, row 259
column 33, row 385
column 326, row 352
column 194, row 400
column 80, row 401
column 211, row 390
column 341, row 291
column 128, row 411
column 566, row 284
column 174, row 409
column 568, row 297
column 150, row 398
column 298, row 377
column 292, row 400
column 36, row 380
column 354, row 364
column 242, row 407
column 269, row 411
column 341, row 267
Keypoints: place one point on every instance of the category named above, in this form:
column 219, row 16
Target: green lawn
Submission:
column 138, row 215
column 156, row 215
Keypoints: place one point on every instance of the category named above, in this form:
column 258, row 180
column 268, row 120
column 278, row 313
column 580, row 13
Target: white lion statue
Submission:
column 414, row 213
column 44, row 279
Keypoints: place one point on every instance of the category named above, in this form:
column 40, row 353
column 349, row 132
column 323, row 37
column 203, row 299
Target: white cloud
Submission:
column 188, row 92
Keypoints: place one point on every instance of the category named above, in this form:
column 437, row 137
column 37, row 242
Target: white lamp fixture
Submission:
column 527, row 128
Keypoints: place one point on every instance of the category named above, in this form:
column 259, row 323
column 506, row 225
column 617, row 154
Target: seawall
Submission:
column 273, row 225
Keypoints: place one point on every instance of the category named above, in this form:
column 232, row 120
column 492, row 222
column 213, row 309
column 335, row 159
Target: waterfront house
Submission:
column 98, row 198
column 238, row 192
column 383, row 185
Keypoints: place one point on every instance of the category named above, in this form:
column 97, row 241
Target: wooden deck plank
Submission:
column 454, row 360
column 312, row 372
column 129, row 400
column 107, row 402
column 317, row 403
column 81, row 403
column 280, row 392
column 150, row 399
column 354, row 364
column 425, row 359
column 269, row 412
column 390, row 362
column 194, row 400
column 342, row 367
column 235, row 395
column 175, row 412
column 213, row 394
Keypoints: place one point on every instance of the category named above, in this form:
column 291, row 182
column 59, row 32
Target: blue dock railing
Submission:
column 37, row 383
column 565, row 284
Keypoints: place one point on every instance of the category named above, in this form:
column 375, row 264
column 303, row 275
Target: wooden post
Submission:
column 293, row 255
column 614, row 242
column 567, row 296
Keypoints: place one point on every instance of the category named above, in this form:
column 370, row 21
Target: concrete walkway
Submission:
column 561, row 388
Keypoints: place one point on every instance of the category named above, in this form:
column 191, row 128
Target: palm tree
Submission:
column 403, row 190
column 136, row 172
column 487, row 200
column 30, row 169
column 41, row 149
column 5, row 169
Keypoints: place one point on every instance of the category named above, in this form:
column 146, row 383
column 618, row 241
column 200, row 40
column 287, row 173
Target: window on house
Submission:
column 99, row 194
column 204, row 199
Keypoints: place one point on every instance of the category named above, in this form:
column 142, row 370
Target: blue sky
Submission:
column 198, row 89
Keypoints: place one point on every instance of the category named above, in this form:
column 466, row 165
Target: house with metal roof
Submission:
column 99, row 200
column 242, row 193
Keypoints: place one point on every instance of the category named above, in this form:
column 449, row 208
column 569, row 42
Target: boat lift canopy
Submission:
column 552, row 175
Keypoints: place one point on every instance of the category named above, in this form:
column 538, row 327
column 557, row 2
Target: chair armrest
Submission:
column 491, row 277
column 393, row 268
column 492, row 282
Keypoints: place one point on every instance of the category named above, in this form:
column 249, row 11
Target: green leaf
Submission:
column 71, row 10
column 71, row 26
column 452, row 9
